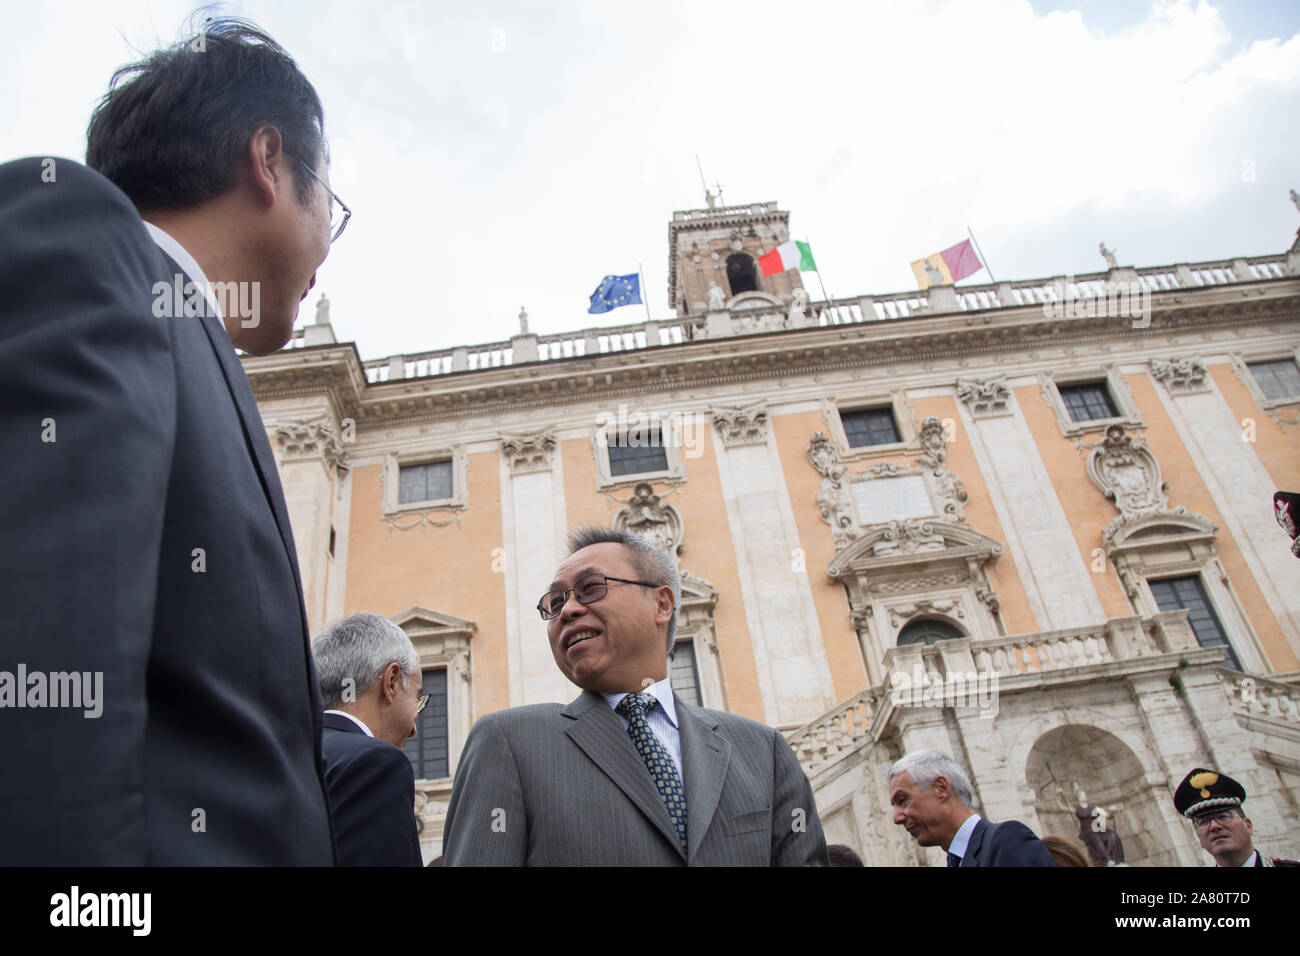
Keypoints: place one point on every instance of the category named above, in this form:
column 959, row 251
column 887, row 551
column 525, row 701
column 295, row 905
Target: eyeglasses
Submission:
column 1223, row 817
column 419, row 704
column 338, row 218
column 588, row 591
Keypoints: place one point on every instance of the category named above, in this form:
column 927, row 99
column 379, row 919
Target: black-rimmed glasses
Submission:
column 1203, row 821
column 339, row 219
column 590, row 589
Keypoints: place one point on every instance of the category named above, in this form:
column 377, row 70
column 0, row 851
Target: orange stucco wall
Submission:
column 709, row 553
column 451, row 569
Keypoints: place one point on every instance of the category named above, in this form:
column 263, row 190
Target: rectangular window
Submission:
column 683, row 677
column 427, row 482
column 428, row 748
column 1088, row 402
column 637, row 452
column 870, row 426
column 1176, row 594
column 1278, row 380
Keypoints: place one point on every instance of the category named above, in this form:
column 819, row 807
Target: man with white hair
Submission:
column 931, row 796
column 370, row 683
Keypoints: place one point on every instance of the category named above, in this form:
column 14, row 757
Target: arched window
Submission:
column 928, row 631
column 742, row 273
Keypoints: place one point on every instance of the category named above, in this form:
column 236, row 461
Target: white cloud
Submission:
column 508, row 155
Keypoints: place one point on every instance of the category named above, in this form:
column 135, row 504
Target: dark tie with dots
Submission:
column 657, row 758
column 954, row 859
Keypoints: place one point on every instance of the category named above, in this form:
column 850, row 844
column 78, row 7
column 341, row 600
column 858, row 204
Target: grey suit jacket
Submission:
column 549, row 785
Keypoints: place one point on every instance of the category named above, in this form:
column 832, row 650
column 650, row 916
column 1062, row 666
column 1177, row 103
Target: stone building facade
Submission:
column 1028, row 523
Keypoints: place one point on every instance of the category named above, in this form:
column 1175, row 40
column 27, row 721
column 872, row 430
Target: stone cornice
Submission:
column 337, row 369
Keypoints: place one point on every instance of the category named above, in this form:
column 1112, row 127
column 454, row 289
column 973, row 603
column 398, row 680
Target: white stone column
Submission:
column 311, row 460
column 794, row 676
column 533, row 522
column 1055, row 577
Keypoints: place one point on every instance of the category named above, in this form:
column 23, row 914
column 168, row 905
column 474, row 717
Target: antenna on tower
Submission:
column 712, row 198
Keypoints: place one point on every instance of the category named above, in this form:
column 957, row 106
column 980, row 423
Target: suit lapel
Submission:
column 596, row 729
column 705, row 756
column 254, row 431
column 250, row 420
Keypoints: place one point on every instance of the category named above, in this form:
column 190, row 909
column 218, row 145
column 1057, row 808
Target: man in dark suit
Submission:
column 370, row 682
column 626, row 774
column 931, row 796
column 146, row 543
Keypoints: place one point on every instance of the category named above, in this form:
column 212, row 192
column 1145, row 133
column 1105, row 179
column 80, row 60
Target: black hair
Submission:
column 171, row 127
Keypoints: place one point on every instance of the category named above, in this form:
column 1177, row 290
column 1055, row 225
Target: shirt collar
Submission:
column 662, row 691
column 168, row 244
column 961, row 839
column 355, row 720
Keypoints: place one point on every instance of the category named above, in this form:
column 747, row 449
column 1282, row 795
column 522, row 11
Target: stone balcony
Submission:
column 756, row 313
column 973, row 674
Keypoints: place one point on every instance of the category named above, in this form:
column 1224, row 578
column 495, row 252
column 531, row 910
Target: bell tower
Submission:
column 720, row 245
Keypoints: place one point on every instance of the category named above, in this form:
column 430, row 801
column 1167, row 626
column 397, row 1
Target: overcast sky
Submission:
column 498, row 154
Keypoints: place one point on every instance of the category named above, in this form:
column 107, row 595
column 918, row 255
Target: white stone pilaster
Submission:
column 1056, row 580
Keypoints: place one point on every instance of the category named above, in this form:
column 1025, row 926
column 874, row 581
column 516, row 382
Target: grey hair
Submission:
column 652, row 563
column 358, row 649
column 923, row 766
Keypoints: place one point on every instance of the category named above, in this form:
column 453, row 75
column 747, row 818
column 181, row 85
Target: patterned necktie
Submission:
column 657, row 759
column 954, row 859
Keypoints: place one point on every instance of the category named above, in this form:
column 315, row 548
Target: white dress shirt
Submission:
column 168, row 244
column 961, row 839
column 662, row 720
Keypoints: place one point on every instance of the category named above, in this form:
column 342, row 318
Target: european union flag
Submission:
column 615, row 291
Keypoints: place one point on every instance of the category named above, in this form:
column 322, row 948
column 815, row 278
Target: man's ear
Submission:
column 268, row 162
column 941, row 788
column 663, row 604
column 390, row 683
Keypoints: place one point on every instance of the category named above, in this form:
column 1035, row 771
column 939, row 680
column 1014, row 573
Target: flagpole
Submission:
column 644, row 300
column 983, row 261
column 825, row 295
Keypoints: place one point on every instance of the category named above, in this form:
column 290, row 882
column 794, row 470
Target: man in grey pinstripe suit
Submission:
column 626, row 774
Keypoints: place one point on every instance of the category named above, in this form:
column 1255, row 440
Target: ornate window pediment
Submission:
column 896, row 571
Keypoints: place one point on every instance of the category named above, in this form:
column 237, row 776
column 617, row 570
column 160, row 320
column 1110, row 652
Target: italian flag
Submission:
column 788, row 255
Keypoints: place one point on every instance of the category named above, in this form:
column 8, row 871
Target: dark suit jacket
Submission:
column 371, row 788
column 208, row 747
column 550, row 785
column 1009, row 843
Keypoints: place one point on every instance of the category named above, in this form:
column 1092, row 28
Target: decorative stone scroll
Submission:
column 647, row 515
column 834, row 499
column 1126, row 472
